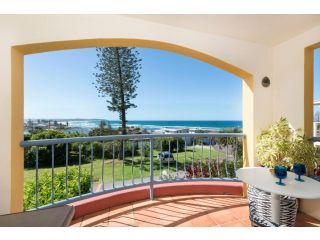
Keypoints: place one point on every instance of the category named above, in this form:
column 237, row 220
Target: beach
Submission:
column 155, row 125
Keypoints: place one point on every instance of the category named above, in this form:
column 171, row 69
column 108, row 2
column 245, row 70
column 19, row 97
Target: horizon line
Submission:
column 131, row 120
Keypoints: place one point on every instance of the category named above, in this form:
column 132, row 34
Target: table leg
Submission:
column 275, row 208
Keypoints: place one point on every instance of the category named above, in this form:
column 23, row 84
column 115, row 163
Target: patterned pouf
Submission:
column 260, row 209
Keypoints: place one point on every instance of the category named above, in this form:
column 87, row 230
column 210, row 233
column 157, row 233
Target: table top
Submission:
column 260, row 177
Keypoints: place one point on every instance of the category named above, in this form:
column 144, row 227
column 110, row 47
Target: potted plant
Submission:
column 302, row 151
column 282, row 145
column 273, row 145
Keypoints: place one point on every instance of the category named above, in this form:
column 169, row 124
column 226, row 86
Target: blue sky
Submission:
column 316, row 87
column 172, row 87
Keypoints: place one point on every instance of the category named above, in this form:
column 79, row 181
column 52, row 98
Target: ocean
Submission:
column 151, row 125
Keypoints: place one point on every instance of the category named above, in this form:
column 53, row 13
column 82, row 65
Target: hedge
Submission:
column 44, row 187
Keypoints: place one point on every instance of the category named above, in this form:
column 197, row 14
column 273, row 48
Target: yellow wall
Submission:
column 17, row 129
column 293, row 90
column 289, row 79
column 236, row 56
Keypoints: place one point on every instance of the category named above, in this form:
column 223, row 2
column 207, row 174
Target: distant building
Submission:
column 166, row 130
column 33, row 124
column 174, row 130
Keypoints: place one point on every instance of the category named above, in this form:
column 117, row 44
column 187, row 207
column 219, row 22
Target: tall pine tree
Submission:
column 117, row 76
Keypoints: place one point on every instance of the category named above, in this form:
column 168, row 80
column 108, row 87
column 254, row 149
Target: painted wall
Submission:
column 288, row 90
column 288, row 71
column 5, row 136
column 23, row 29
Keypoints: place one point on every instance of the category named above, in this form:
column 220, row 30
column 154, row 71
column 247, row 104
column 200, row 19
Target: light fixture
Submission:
column 265, row 82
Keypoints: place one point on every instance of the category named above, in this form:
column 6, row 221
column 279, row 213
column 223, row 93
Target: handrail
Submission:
column 315, row 139
column 46, row 142
column 226, row 157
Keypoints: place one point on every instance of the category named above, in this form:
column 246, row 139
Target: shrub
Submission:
column 173, row 144
column 102, row 132
column 45, row 152
column 214, row 169
column 44, row 187
column 48, row 134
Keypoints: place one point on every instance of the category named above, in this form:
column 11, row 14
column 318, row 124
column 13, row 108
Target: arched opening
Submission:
column 309, row 74
column 18, row 53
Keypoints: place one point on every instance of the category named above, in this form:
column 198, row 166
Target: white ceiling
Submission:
column 269, row 29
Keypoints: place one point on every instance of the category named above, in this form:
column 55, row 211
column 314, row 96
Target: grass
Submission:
column 29, row 174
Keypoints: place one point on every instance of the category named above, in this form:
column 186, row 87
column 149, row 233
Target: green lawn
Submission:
column 29, row 174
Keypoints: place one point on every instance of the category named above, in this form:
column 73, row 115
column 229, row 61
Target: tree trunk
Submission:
column 123, row 108
column 123, row 132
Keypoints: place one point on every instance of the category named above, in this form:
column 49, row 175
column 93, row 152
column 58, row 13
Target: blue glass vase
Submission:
column 281, row 173
column 299, row 169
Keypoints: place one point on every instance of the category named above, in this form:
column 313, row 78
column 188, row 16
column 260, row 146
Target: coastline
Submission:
column 85, row 125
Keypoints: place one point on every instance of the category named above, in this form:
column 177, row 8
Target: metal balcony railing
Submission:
column 145, row 159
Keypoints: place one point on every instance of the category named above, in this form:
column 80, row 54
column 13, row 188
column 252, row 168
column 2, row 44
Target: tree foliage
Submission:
column 45, row 152
column 102, row 132
column 117, row 76
column 175, row 144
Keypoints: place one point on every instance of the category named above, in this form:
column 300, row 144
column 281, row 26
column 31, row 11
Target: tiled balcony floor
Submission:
column 180, row 211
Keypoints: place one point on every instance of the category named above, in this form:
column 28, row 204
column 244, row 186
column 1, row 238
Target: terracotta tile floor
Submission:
column 180, row 211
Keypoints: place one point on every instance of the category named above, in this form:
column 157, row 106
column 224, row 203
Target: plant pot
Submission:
column 271, row 170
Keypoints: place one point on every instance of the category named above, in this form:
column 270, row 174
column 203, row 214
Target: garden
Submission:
column 207, row 161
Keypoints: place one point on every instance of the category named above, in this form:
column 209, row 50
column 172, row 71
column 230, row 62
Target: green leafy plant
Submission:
column 44, row 187
column 274, row 144
column 281, row 145
column 302, row 151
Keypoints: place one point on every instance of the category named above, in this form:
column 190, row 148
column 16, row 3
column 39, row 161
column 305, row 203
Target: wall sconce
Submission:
column 265, row 82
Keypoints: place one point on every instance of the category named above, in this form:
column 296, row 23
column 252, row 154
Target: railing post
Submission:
column 151, row 169
column 37, row 177
column 245, row 163
column 52, row 174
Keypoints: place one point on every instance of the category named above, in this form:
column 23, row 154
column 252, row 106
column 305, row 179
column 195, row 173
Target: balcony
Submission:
column 210, row 158
column 283, row 53
column 195, row 186
column 180, row 211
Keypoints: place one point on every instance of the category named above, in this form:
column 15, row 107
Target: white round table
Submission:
column 261, row 178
